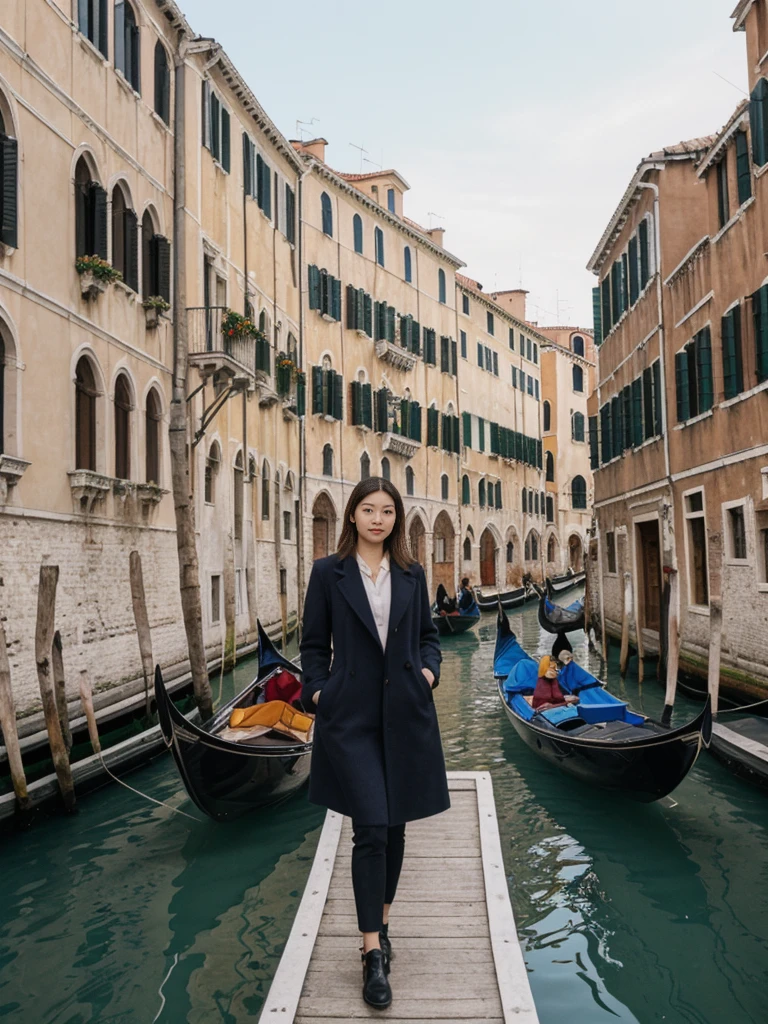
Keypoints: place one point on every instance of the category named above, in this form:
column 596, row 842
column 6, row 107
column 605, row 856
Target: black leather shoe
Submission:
column 376, row 990
column 386, row 949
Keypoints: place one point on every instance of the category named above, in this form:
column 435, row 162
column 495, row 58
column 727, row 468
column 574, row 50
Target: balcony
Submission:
column 395, row 355
column 400, row 445
column 11, row 471
column 212, row 351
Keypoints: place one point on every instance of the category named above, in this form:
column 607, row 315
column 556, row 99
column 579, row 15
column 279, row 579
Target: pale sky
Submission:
column 518, row 125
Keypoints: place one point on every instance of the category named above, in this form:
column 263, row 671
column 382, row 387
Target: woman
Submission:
column 548, row 693
column 371, row 658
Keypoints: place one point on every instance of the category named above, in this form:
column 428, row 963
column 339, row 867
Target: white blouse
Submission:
column 379, row 594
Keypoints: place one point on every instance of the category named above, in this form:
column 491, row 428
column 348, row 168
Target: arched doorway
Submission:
column 323, row 526
column 487, row 559
column 417, row 541
column 551, row 548
column 575, row 553
column 443, row 567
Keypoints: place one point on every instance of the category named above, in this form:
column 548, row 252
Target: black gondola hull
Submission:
column 645, row 770
column 509, row 599
column 559, row 584
column 568, row 622
column 451, row 625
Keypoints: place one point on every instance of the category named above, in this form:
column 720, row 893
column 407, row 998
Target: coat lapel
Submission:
column 403, row 585
column 351, row 585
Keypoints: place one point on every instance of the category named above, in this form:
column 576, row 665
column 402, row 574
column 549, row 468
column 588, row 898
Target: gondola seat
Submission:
column 594, row 713
column 556, row 716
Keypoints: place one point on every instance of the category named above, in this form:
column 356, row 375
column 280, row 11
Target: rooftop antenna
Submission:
column 432, row 214
column 362, row 150
column 520, row 268
column 367, row 161
column 307, row 126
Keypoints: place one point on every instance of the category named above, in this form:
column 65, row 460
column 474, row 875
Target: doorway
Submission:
column 649, row 562
column 487, row 559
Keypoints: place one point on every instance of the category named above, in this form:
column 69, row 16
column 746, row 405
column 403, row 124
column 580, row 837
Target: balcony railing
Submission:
column 211, row 349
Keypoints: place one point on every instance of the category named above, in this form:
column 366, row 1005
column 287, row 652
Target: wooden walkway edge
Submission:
column 456, row 953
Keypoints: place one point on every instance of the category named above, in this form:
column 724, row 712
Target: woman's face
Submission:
column 374, row 517
column 551, row 672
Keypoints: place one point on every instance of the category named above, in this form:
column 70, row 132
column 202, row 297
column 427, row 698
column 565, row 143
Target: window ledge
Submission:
column 11, row 471
column 121, row 286
column 762, row 588
column 744, row 395
column 760, row 171
column 734, row 219
column 738, row 563
column 92, row 49
column 694, row 419
column 160, row 122
column 328, row 318
column 125, row 84
column 699, row 609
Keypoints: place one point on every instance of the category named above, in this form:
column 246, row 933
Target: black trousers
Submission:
column 377, row 857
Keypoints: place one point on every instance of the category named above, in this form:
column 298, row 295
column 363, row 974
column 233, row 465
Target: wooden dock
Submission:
column 456, row 951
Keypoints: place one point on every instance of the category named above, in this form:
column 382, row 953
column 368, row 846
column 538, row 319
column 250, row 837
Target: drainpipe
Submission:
column 298, row 254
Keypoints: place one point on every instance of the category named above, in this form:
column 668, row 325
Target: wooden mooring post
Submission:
column 625, row 617
column 715, row 647
column 86, row 699
column 8, row 724
column 141, row 617
column 673, row 646
column 46, row 611
column 60, row 689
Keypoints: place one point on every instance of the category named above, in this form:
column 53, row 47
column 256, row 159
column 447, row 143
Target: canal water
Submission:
column 132, row 913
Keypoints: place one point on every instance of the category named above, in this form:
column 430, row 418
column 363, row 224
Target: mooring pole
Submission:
column 625, row 615
column 86, row 699
column 143, row 633
column 46, row 610
column 60, row 689
column 8, row 725
column 673, row 647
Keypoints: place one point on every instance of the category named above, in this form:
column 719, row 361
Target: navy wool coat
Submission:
column 377, row 754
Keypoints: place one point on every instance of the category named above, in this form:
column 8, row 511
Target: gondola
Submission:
column 488, row 600
column 559, row 584
column 741, row 743
column 452, row 624
column 226, row 778
column 600, row 740
column 554, row 618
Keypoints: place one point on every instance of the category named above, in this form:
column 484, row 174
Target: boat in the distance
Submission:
column 559, row 584
column 227, row 778
column 555, row 618
column 488, row 598
column 600, row 739
column 455, row 619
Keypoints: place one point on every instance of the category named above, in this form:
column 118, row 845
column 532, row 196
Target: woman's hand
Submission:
column 429, row 676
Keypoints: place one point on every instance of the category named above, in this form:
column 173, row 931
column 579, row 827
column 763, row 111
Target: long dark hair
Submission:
column 395, row 544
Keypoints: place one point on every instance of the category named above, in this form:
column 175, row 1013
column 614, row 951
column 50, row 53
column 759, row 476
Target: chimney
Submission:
column 513, row 301
column 315, row 147
column 437, row 235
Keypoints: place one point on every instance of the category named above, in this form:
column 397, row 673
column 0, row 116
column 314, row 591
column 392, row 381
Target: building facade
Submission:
column 682, row 304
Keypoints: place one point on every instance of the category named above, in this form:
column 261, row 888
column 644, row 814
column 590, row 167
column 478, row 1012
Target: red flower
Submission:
column 231, row 332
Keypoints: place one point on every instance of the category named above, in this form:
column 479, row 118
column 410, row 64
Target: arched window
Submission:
column 365, row 466
column 481, row 493
column 510, row 552
column 385, row 469
column 444, row 486
column 85, row 415
column 238, row 495
column 407, row 264
column 409, row 481
column 536, row 503
column 327, row 460
column 551, row 551
column 441, row 285
column 92, row 22
column 123, row 409
column 127, row 43
column 532, row 547
column 90, row 213
column 325, row 206
column 579, row 492
column 497, row 488
column 212, row 464
column 9, row 159
column 155, row 261
column 152, row 420
column 162, row 83
column 547, row 416
column 357, row 231
column 467, row 549
column 550, row 464
column 578, row 344
column 466, row 496
column 265, row 490
column 378, row 245
column 578, row 379
column 578, row 426
column 125, row 238
column 550, row 509
column 525, row 500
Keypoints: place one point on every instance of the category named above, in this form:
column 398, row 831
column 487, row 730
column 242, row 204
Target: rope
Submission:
column 745, row 707
column 151, row 799
column 160, row 990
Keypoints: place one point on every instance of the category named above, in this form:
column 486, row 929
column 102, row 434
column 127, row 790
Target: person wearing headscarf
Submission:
column 548, row 693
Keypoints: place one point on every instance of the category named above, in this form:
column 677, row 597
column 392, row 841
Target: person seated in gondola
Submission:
column 445, row 605
column 548, row 693
column 466, row 597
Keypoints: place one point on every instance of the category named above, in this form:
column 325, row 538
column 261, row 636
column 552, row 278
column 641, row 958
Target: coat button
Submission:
column 386, row 682
column 408, row 664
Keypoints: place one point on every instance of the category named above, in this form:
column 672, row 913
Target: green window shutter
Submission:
column 99, row 200
column 594, row 450
column 267, row 190
column 481, row 493
column 314, row 287
column 704, row 369
column 225, row 155
column 616, row 431
column 606, row 317
column 9, row 159
column 290, row 214
column 616, row 291
column 634, row 276
column 368, row 315
column 540, row 453
column 645, row 262
column 445, row 432
column 454, row 358
column 733, row 377
column 624, row 282
column 378, row 333
column 382, row 411
column 648, row 403
column 335, row 299
column 405, row 417
column 444, row 354
column 352, row 321
column 637, row 412
column 738, row 362
column 301, row 395
column 626, row 403
column 481, row 433
column 658, row 398
column 131, row 250
column 494, row 438
column 163, row 257
column 391, row 323
column 758, row 122
column 338, row 397
column 455, row 435
column 416, row 338
column 415, row 421
column 681, row 385
column 466, row 498
column 247, row 169
column 743, row 168
column 597, row 319
column 467, row 420
column 497, row 488
column 760, row 305
column 405, row 331
column 605, row 432
column 317, row 389
column 355, row 402
column 367, row 404
column 432, row 427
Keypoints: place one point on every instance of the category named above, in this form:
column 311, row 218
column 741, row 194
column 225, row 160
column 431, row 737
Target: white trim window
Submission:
column 696, row 547
column 735, row 532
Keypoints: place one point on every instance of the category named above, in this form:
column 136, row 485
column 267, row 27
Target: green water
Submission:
column 131, row 913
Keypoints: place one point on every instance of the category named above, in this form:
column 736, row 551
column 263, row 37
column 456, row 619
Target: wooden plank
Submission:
column 413, row 908
column 511, row 972
column 328, row 945
column 406, row 1008
column 346, row 924
column 402, row 1020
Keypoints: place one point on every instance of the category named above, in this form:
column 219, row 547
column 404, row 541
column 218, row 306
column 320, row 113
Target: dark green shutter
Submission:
column 405, row 328
column 336, row 299
column 616, row 291
column 597, row 319
column 743, row 168
column 480, row 434
column 616, row 431
column 444, row 354
column 415, row 421
column 466, row 498
column 368, row 315
column 645, row 263
column 494, row 438
column 317, row 389
column 637, row 412
column 377, row 334
column 454, row 358
column 757, row 121
column 163, row 263
column 382, row 411
column 9, row 158
column 594, row 450
column 681, row 385
column 131, row 250
column 391, row 323
column 624, row 282
column 338, row 397
column 314, row 287
column 606, row 319
column 215, row 108
column 455, row 435
column 467, row 420
column 734, row 318
column 290, row 214
column 704, row 369
column 760, row 307
column 658, row 398
column 247, row 169
column 352, row 321
column 205, row 92
column 497, row 488
column 99, row 208
column 605, row 432
column 481, row 494
column 432, row 427
column 356, row 403
column 416, row 338
column 367, row 399
column 267, row 189
column 634, row 277
column 445, row 432
column 626, row 405
column 648, row 403
column 162, row 83
column 225, row 163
